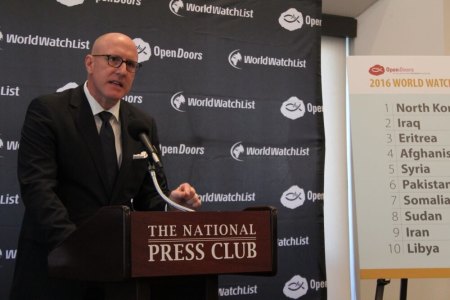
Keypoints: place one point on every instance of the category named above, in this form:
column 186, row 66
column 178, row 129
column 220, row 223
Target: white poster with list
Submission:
column 400, row 137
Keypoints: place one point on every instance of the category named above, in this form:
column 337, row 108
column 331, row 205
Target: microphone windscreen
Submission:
column 136, row 127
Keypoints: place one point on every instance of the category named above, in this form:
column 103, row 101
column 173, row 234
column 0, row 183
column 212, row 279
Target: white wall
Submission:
column 401, row 27
column 404, row 27
column 335, row 189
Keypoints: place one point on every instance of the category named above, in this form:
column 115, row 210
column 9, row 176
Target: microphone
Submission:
column 139, row 131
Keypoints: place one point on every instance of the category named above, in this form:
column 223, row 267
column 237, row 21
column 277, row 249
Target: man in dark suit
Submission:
column 61, row 166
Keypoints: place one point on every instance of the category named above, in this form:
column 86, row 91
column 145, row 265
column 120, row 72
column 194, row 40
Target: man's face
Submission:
column 108, row 84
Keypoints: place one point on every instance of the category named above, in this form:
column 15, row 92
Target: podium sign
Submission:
column 143, row 255
column 174, row 243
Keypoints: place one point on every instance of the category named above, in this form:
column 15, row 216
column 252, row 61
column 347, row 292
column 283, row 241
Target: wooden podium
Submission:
column 167, row 255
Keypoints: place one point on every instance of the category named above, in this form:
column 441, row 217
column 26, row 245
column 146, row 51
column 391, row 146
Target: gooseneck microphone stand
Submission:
column 152, row 170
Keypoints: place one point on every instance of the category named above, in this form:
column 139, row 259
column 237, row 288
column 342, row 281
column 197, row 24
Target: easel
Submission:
column 381, row 283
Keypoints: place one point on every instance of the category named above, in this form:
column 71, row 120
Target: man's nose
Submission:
column 122, row 69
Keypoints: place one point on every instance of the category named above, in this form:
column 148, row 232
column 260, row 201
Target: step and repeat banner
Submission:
column 235, row 89
column 400, row 125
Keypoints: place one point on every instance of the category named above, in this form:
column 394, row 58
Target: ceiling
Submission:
column 346, row 8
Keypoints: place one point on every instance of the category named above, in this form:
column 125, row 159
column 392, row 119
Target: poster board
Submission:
column 400, row 143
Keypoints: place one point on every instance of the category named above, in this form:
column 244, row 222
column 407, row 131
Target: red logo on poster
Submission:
column 376, row 70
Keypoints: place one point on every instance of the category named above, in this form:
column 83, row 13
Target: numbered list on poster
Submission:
column 400, row 130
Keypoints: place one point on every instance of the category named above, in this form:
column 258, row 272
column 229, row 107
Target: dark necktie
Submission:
column 109, row 148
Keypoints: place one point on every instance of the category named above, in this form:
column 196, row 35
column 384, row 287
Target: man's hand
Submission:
column 185, row 195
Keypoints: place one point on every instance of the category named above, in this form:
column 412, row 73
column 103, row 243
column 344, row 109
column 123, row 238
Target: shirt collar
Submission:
column 97, row 108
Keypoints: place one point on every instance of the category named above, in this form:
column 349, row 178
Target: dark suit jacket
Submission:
column 60, row 173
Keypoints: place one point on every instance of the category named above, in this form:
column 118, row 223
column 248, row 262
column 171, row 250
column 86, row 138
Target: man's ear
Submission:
column 89, row 63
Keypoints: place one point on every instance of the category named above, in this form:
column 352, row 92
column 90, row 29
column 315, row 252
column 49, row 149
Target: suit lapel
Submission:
column 128, row 146
column 84, row 120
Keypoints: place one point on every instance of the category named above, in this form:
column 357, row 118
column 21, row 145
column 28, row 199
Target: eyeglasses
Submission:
column 116, row 61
